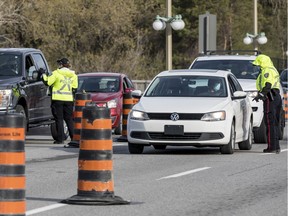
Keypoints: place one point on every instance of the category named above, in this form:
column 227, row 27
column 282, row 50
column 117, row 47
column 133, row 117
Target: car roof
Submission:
column 226, row 57
column 19, row 50
column 197, row 72
column 100, row 74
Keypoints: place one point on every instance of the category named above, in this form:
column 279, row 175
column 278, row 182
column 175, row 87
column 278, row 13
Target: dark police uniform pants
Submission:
column 272, row 110
column 63, row 110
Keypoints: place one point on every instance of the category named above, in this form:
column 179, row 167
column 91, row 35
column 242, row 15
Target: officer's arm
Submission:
column 266, row 89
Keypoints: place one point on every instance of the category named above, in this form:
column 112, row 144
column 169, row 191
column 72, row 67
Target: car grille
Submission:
column 182, row 116
column 184, row 137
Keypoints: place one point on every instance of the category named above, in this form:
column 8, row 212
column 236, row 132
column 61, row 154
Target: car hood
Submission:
column 8, row 81
column 248, row 84
column 104, row 97
column 181, row 105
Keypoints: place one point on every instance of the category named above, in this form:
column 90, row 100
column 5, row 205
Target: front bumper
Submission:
column 195, row 133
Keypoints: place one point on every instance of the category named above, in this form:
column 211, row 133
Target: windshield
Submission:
column 187, row 86
column 242, row 69
column 10, row 65
column 99, row 84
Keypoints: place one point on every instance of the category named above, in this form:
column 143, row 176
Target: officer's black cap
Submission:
column 63, row 61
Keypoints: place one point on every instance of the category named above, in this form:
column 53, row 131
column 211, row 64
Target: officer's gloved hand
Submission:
column 260, row 96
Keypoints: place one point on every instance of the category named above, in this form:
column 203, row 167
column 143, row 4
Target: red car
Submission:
column 107, row 89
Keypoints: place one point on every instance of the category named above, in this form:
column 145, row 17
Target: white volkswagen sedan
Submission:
column 202, row 108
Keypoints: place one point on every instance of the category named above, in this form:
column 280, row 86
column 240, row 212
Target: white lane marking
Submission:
column 184, row 173
column 282, row 150
column 46, row 208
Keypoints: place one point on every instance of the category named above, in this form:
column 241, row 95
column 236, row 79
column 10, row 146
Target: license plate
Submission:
column 174, row 130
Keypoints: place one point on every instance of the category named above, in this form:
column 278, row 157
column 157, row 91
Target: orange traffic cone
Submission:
column 95, row 178
column 80, row 101
column 286, row 105
column 128, row 103
column 12, row 165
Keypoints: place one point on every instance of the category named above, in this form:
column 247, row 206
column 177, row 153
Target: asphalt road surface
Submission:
column 177, row 181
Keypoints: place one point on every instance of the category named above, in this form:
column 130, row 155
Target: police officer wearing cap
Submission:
column 268, row 85
column 64, row 83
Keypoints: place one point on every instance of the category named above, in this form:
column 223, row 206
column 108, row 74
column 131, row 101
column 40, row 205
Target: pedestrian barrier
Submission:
column 128, row 103
column 80, row 101
column 12, row 165
column 95, row 178
column 286, row 105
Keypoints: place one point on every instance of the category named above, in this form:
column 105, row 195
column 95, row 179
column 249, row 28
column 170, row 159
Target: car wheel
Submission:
column 20, row 109
column 260, row 133
column 229, row 148
column 135, row 148
column 54, row 130
column 159, row 147
column 247, row 144
column 118, row 129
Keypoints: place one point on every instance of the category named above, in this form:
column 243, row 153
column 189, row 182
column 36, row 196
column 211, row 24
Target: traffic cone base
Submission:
column 101, row 200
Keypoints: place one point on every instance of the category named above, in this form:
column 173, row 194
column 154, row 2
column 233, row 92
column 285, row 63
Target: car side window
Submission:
column 234, row 85
column 29, row 67
column 128, row 82
column 39, row 62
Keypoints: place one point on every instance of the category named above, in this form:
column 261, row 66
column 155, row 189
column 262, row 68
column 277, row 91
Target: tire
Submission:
column 247, row 144
column 54, row 131
column 260, row 133
column 160, row 147
column 229, row 148
column 118, row 129
column 20, row 109
column 135, row 148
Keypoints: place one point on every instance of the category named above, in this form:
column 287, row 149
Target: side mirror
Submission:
column 239, row 95
column 32, row 73
column 137, row 94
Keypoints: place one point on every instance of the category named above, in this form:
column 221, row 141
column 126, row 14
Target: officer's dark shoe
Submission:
column 277, row 151
column 58, row 142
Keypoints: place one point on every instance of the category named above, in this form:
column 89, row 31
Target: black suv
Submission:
column 21, row 89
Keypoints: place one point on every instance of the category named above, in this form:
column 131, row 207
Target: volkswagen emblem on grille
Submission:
column 174, row 117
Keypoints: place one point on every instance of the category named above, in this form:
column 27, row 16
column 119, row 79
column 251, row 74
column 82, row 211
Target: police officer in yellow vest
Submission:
column 64, row 82
column 268, row 85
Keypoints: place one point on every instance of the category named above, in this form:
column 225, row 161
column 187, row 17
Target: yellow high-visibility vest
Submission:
column 268, row 73
column 63, row 81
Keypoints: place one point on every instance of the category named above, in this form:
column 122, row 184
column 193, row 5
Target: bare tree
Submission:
column 10, row 16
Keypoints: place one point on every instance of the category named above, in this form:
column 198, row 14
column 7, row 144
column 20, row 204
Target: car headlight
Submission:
column 252, row 94
column 112, row 103
column 214, row 116
column 5, row 97
column 138, row 115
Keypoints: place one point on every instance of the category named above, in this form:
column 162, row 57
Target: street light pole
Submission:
column 176, row 23
column 168, row 36
column 256, row 38
column 255, row 24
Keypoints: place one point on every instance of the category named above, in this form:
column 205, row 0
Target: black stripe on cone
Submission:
column 80, row 102
column 95, row 178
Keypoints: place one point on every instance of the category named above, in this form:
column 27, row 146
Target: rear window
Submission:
column 242, row 69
